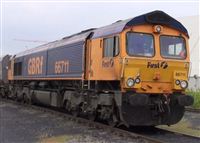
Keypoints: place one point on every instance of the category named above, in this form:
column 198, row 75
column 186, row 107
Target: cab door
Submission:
column 104, row 58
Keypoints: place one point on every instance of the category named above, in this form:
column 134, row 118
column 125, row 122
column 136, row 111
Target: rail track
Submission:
column 141, row 134
column 173, row 137
column 190, row 109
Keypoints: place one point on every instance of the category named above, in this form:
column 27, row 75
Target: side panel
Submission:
column 57, row 63
column 66, row 61
column 34, row 65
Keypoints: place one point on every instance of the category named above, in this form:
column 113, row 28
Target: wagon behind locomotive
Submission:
column 4, row 83
column 4, row 62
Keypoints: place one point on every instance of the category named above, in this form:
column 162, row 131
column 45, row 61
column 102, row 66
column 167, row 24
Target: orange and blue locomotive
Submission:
column 132, row 72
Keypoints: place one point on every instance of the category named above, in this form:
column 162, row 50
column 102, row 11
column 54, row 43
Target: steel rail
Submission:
column 190, row 109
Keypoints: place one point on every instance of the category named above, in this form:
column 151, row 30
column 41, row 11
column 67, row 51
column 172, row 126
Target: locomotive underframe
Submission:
column 100, row 101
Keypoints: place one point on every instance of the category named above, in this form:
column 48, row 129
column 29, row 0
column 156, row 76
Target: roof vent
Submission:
column 158, row 17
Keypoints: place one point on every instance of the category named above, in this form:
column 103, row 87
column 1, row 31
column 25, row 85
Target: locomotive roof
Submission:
column 66, row 40
column 155, row 17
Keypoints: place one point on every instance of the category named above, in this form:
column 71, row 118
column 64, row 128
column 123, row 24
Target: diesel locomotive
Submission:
column 132, row 72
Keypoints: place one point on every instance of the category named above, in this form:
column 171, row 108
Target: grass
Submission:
column 196, row 95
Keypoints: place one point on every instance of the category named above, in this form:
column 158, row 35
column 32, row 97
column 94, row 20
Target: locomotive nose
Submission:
column 153, row 76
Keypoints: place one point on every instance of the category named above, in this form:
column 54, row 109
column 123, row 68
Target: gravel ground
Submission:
column 20, row 125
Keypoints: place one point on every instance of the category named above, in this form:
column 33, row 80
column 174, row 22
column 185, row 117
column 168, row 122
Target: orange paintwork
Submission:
column 11, row 69
column 96, row 70
column 164, row 81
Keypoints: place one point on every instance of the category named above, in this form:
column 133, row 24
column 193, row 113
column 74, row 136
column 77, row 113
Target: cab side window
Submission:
column 111, row 47
column 18, row 69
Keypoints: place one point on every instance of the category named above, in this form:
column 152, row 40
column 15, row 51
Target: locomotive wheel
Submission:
column 67, row 106
column 23, row 99
column 15, row 96
column 19, row 96
column 27, row 100
column 111, row 121
column 3, row 95
column 75, row 113
column 91, row 116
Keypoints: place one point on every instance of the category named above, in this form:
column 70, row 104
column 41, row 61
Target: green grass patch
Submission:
column 196, row 95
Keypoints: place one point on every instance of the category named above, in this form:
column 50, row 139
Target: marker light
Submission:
column 137, row 80
column 177, row 82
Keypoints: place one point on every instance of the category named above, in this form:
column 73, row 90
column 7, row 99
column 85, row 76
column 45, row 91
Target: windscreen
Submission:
column 172, row 47
column 140, row 44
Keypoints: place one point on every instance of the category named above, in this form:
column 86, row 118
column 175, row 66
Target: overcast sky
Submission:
column 52, row 21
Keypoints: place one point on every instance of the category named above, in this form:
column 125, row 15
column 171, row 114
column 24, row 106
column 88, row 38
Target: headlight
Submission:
column 158, row 29
column 184, row 84
column 130, row 82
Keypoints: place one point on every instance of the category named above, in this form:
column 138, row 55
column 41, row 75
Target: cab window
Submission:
column 140, row 44
column 172, row 47
column 111, row 47
column 18, row 69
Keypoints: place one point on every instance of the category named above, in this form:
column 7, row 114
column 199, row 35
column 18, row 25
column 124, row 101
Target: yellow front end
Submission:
column 155, row 76
column 152, row 72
